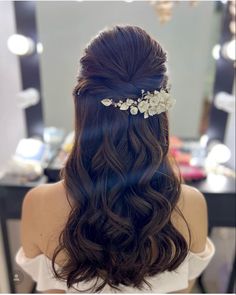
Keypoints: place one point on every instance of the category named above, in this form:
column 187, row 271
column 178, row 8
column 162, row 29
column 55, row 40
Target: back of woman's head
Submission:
column 118, row 173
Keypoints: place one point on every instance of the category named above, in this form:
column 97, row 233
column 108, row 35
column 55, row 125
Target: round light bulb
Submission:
column 232, row 27
column 216, row 51
column 20, row 45
column 39, row 47
column 220, row 153
column 229, row 50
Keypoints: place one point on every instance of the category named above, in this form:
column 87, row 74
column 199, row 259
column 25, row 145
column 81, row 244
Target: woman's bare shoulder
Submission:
column 191, row 198
column 47, row 196
column 41, row 190
column 193, row 206
column 44, row 213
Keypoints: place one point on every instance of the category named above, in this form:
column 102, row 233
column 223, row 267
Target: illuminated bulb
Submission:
column 216, row 51
column 20, row 45
column 216, row 181
column 232, row 8
column 232, row 27
column 39, row 48
column 225, row 101
column 229, row 50
column 224, row 1
column 219, row 153
column 129, row 1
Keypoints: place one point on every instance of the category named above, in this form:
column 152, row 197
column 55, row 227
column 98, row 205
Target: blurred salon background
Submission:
column 40, row 47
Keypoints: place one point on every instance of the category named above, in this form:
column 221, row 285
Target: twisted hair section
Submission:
column 118, row 175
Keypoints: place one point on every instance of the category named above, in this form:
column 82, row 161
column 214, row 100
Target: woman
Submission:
column 120, row 220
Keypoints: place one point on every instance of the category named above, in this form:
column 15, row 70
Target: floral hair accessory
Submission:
column 149, row 104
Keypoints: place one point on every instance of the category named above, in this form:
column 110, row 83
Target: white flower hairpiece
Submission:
column 149, row 104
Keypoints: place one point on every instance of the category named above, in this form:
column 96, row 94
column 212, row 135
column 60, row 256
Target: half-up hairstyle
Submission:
column 118, row 174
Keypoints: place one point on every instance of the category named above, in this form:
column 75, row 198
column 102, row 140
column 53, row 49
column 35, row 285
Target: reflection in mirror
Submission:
column 188, row 37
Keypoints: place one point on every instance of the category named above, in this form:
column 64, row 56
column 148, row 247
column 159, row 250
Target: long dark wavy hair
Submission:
column 119, row 174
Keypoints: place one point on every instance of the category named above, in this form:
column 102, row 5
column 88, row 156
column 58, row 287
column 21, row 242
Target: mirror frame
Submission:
column 25, row 18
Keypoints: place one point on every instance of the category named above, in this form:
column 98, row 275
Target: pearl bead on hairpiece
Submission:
column 149, row 104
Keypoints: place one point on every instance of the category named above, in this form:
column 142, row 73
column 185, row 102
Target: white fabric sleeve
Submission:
column 199, row 261
column 40, row 270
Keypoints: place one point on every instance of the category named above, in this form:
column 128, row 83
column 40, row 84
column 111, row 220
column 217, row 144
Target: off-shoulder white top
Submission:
column 39, row 268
